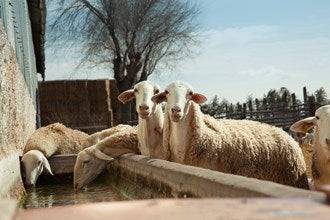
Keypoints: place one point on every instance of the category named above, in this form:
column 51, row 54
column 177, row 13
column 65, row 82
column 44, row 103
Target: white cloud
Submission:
column 235, row 62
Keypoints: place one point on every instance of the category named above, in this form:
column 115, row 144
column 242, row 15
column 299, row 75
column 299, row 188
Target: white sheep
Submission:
column 47, row 141
column 308, row 138
column 92, row 160
column 321, row 144
column 240, row 147
column 151, row 118
column 100, row 135
column 145, row 138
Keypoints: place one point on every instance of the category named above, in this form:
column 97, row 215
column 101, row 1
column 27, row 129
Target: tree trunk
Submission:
column 124, row 110
column 125, row 82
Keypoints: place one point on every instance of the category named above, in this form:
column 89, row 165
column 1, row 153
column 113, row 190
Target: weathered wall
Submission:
column 17, row 118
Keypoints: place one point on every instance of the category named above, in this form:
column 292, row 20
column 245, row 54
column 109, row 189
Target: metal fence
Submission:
column 278, row 115
column 14, row 15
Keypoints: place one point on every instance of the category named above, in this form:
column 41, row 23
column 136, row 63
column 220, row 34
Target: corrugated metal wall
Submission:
column 15, row 17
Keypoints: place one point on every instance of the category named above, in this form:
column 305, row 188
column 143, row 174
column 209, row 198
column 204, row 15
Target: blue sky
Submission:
column 248, row 47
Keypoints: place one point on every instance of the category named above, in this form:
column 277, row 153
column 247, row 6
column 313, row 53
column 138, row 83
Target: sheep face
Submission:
column 321, row 122
column 34, row 163
column 89, row 164
column 178, row 96
column 142, row 92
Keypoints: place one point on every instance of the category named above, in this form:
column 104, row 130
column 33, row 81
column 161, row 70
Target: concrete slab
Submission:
column 293, row 209
column 7, row 209
column 131, row 172
column 11, row 185
column 178, row 180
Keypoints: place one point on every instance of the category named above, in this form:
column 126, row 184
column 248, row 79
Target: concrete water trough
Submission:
column 162, row 179
column 140, row 177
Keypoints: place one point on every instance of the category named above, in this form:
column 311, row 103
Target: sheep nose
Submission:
column 76, row 187
column 327, row 140
column 144, row 107
column 176, row 109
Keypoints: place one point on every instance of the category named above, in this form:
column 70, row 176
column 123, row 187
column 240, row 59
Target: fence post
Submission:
column 305, row 94
column 244, row 111
column 250, row 106
column 311, row 105
column 294, row 100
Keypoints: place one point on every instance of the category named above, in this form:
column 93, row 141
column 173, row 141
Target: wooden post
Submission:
column 294, row 99
column 244, row 111
column 305, row 94
column 312, row 105
column 250, row 106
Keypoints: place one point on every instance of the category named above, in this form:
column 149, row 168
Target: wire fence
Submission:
column 278, row 115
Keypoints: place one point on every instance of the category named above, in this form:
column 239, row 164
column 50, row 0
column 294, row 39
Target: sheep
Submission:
column 321, row 144
column 146, row 138
column 308, row 138
column 92, row 161
column 100, row 135
column 45, row 142
column 240, row 147
column 151, row 118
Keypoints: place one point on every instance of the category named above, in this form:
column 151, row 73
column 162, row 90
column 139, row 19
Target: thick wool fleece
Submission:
column 125, row 141
column 240, row 147
column 320, row 162
column 98, row 136
column 57, row 139
column 150, row 134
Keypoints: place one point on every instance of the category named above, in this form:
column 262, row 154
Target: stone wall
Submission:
column 17, row 118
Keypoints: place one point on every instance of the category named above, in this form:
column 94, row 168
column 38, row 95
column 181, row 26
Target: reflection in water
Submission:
column 59, row 195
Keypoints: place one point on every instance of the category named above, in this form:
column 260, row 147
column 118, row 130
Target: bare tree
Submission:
column 131, row 37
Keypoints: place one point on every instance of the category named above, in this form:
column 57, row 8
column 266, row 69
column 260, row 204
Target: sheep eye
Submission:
column 317, row 117
column 86, row 161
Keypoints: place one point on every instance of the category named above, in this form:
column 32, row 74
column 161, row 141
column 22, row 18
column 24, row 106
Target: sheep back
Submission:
column 246, row 148
column 56, row 139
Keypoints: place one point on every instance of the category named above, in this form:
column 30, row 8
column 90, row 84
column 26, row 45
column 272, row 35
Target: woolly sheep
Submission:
column 47, row 141
column 92, row 160
column 239, row 147
column 98, row 136
column 151, row 118
column 321, row 144
column 145, row 138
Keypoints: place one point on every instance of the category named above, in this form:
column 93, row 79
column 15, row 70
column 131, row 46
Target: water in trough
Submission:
column 60, row 194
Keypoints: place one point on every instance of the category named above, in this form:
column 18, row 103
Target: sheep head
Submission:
column 34, row 163
column 142, row 92
column 321, row 122
column 178, row 96
column 89, row 164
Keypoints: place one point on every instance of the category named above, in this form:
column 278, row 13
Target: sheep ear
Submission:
column 47, row 166
column 156, row 89
column 198, row 98
column 102, row 156
column 304, row 125
column 160, row 97
column 126, row 96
